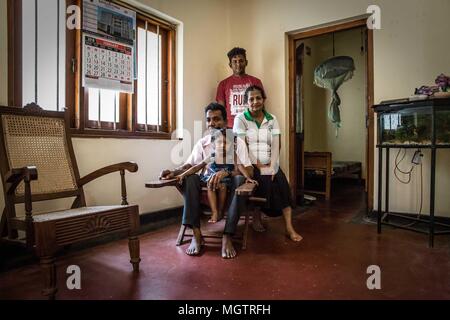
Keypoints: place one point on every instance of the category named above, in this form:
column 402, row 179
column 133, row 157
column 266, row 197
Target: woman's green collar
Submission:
column 249, row 117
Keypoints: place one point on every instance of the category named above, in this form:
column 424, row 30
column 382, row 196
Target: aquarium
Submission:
column 411, row 123
column 442, row 119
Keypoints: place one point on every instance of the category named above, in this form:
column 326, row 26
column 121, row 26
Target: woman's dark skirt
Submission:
column 277, row 192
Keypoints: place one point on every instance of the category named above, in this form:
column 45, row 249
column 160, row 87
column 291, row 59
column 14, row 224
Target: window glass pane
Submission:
column 109, row 101
column 150, row 59
column 141, row 76
column 153, row 78
column 47, row 53
column 93, row 104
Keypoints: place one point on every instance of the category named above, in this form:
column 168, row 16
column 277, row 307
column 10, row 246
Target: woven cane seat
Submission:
column 39, row 141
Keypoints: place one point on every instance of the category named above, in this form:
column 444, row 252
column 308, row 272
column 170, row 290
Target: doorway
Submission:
column 298, row 50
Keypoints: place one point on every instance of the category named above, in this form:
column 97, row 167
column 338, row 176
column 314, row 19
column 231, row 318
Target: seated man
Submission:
column 216, row 118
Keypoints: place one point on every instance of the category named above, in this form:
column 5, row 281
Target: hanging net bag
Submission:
column 331, row 74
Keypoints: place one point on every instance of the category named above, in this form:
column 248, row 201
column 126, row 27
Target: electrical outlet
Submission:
column 417, row 157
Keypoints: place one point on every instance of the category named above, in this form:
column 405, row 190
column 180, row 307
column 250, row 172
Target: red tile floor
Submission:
column 330, row 263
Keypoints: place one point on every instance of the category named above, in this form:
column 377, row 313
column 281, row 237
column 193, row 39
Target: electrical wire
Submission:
column 409, row 179
column 396, row 168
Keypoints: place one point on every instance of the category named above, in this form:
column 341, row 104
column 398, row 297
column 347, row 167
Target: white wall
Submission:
column 409, row 50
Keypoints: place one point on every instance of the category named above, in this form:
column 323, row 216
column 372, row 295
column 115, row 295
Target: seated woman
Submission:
column 261, row 132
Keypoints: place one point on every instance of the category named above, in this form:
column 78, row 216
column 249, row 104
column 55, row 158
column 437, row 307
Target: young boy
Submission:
column 221, row 160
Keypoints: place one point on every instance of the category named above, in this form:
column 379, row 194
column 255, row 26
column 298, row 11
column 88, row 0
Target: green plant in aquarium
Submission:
column 442, row 123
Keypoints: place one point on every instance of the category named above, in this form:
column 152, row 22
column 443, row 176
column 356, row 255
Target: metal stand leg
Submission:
column 386, row 192
column 432, row 194
column 380, row 187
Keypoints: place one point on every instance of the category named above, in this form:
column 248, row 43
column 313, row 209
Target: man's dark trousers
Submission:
column 192, row 187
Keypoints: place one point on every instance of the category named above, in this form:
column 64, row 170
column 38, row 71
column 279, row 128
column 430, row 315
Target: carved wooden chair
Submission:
column 245, row 190
column 37, row 163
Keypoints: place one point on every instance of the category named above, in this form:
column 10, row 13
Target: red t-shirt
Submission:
column 231, row 90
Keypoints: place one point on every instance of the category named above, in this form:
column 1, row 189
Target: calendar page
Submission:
column 107, row 64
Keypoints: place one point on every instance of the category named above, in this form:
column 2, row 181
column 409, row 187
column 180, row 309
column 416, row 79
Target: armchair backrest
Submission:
column 30, row 136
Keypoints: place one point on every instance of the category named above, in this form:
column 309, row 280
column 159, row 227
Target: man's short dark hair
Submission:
column 253, row 88
column 236, row 51
column 214, row 106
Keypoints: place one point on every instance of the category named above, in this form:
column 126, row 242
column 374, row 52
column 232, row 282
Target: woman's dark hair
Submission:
column 236, row 51
column 253, row 88
column 214, row 106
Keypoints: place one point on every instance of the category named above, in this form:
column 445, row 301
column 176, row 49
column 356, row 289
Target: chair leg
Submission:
column 3, row 226
column 181, row 235
column 48, row 268
column 135, row 258
column 247, row 222
column 328, row 187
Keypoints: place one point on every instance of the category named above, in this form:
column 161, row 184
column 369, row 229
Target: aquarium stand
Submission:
column 426, row 109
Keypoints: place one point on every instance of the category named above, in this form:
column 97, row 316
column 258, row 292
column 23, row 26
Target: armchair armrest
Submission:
column 130, row 166
column 161, row 183
column 16, row 175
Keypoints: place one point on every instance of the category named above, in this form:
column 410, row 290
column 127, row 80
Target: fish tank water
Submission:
column 411, row 122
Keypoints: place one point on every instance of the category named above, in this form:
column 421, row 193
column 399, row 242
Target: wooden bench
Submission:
column 320, row 163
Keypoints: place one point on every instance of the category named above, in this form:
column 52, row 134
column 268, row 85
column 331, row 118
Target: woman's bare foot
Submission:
column 228, row 251
column 196, row 243
column 294, row 236
column 257, row 224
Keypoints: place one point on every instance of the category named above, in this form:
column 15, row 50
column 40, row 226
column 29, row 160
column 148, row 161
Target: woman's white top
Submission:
column 257, row 136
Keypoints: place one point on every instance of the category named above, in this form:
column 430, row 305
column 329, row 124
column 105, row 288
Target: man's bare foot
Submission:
column 196, row 243
column 257, row 224
column 294, row 236
column 228, row 251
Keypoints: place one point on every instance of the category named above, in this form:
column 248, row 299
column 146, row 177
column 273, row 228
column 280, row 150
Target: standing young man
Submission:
column 230, row 92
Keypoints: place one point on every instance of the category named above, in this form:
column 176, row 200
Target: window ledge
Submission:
column 121, row 134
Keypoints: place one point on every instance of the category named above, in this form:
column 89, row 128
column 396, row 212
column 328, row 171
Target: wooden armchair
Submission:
column 246, row 190
column 37, row 163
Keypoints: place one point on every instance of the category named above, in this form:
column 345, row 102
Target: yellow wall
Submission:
column 204, row 63
column 410, row 50
column 315, row 99
column 320, row 133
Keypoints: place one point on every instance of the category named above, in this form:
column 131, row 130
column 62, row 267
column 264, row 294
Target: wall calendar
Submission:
column 107, row 64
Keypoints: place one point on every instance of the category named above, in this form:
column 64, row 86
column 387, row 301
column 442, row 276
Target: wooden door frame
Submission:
column 341, row 25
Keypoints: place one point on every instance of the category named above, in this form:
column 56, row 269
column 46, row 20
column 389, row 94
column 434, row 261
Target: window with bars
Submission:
column 50, row 73
column 43, row 51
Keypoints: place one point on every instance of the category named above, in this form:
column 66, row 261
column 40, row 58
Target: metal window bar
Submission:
column 115, row 110
column 159, row 79
column 36, row 51
column 99, row 121
column 146, row 71
column 57, row 54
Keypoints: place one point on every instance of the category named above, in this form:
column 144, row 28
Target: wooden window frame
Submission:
column 76, row 95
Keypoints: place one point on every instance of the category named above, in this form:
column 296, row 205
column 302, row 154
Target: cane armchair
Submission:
column 37, row 163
